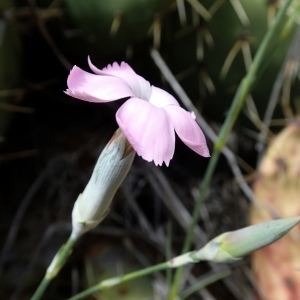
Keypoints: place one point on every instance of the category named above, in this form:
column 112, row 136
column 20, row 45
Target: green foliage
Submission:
column 227, row 32
column 113, row 25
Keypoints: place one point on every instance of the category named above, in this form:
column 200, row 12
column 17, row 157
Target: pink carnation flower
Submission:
column 148, row 119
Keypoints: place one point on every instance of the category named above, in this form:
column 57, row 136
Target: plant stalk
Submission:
column 108, row 283
column 235, row 109
column 57, row 263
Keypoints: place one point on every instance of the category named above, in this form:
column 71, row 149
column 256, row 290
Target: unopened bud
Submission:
column 234, row 245
column 92, row 206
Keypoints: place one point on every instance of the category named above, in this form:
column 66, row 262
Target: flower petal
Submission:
column 114, row 69
column 148, row 129
column 187, row 129
column 95, row 88
column 161, row 98
column 140, row 86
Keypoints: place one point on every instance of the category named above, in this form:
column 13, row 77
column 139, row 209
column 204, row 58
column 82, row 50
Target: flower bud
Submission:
column 92, row 206
column 234, row 245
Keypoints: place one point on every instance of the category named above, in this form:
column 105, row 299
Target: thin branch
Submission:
column 230, row 156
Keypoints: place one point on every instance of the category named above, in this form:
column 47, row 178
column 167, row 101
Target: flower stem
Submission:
column 236, row 106
column 57, row 263
column 108, row 283
column 41, row 288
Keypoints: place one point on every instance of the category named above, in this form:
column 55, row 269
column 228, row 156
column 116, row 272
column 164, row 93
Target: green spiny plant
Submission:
column 210, row 57
column 114, row 26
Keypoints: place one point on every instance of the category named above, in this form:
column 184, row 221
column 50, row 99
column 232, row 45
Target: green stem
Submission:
column 236, row 106
column 57, row 263
column 41, row 288
column 108, row 283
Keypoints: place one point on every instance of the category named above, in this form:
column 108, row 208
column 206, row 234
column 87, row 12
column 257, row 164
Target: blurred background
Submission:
column 49, row 143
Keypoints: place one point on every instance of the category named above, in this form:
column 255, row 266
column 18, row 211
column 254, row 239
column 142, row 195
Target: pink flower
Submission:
column 148, row 119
